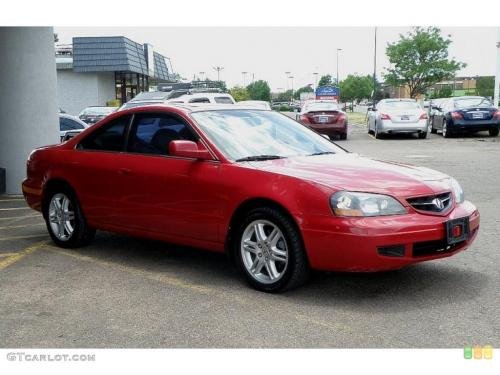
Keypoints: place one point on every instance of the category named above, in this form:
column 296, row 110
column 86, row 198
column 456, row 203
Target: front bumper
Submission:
column 353, row 244
column 387, row 126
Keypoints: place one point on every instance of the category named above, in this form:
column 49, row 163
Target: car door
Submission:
column 169, row 195
column 95, row 167
column 439, row 115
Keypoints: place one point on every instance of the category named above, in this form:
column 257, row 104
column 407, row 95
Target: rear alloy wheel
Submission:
column 376, row 133
column 269, row 251
column 66, row 225
column 446, row 132
column 493, row 132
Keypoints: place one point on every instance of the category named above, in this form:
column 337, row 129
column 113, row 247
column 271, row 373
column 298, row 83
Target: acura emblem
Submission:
column 438, row 203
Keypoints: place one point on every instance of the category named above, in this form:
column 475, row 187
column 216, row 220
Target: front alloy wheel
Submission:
column 446, row 132
column 269, row 251
column 264, row 251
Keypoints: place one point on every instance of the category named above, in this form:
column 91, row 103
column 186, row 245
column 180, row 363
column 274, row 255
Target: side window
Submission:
column 152, row 133
column 109, row 138
column 63, row 124
column 200, row 100
column 223, row 100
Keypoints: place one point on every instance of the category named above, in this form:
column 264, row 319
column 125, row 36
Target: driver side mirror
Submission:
column 189, row 149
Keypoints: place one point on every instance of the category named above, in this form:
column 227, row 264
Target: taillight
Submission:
column 497, row 113
column 384, row 116
column 456, row 116
column 423, row 116
column 303, row 118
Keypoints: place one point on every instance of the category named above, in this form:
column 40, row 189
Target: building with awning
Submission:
column 94, row 71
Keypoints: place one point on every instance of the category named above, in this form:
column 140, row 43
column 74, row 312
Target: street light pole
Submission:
column 374, row 68
column 497, row 76
column 244, row 78
column 315, row 80
column 291, row 77
column 338, row 49
column 218, row 70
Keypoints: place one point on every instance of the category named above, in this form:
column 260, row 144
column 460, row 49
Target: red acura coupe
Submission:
column 277, row 197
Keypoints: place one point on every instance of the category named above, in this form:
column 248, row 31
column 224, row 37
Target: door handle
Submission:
column 124, row 171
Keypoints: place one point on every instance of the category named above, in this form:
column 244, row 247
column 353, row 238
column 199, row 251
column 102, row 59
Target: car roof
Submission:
column 187, row 108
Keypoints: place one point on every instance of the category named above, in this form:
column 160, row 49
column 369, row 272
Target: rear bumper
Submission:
column 32, row 194
column 387, row 126
column 329, row 129
column 474, row 126
column 353, row 244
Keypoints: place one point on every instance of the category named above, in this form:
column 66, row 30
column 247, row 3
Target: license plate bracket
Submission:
column 457, row 230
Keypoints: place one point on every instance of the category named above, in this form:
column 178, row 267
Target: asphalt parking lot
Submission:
column 125, row 292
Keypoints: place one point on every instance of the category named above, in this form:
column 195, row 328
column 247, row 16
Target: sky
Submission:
column 268, row 52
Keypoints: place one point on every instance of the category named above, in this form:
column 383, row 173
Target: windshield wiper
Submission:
column 322, row 153
column 260, row 157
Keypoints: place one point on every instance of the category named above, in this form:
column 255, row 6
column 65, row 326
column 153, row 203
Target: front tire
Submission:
column 376, row 133
column 493, row 132
column 65, row 221
column 269, row 251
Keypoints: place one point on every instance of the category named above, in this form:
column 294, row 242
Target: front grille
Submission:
column 432, row 203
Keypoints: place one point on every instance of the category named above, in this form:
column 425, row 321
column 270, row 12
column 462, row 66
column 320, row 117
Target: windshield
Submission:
column 401, row 105
column 247, row 133
column 322, row 107
column 472, row 102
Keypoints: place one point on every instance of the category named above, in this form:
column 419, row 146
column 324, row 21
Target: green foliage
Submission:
column 283, row 96
column 297, row 93
column 356, row 87
column 259, row 90
column 419, row 60
column 444, row 92
column 325, row 80
column 485, row 86
column 239, row 93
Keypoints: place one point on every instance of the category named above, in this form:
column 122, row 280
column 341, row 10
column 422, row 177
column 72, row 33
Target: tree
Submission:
column 283, row 96
column 325, row 80
column 356, row 87
column 419, row 60
column 259, row 90
column 485, row 86
column 239, row 93
column 297, row 93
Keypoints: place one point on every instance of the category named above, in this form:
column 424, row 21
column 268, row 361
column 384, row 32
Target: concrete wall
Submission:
column 28, row 104
column 75, row 91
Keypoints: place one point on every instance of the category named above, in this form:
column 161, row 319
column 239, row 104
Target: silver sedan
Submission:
column 391, row 116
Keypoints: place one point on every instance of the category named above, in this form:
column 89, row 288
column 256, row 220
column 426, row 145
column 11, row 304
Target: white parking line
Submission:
column 19, row 217
column 22, row 237
column 15, row 208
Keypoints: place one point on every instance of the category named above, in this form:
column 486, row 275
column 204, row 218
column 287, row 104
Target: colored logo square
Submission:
column 478, row 352
column 468, row 352
column 488, row 352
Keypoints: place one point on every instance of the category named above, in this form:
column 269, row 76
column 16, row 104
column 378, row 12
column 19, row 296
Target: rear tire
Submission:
column 64, row 219
column 376, row 133
column 433, row 131
column 446, row 132
column 422, row 135
column 343, row 137
column 493, row 132
column 270, row 263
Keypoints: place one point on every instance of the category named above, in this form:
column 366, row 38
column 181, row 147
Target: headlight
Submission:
column 457, row 191
column 346, row 203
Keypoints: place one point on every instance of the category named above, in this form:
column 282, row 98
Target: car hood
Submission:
column 357, row 173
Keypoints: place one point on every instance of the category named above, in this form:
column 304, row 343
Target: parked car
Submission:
column 466, row 114
column 325, row 117
column 204, row 97
column 256, row 103
column 91, row 115
column 72, row 124
column 391, row 116
column 279, row 198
